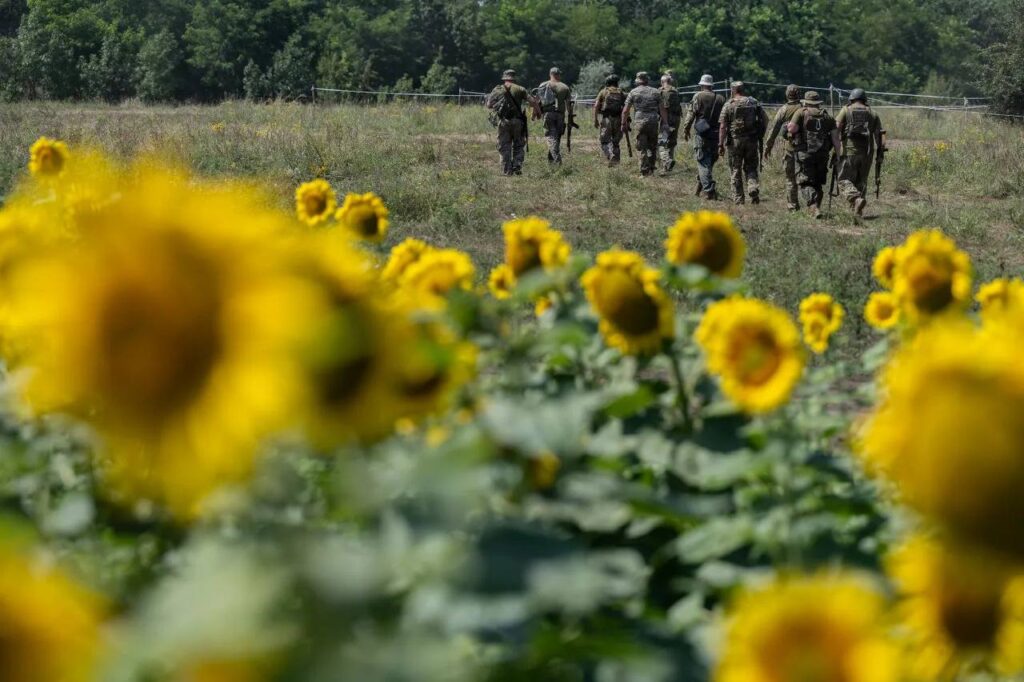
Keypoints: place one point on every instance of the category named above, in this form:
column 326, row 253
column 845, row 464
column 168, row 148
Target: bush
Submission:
column 156, row 78
column 439, row 79
column 592, row 77
column 109, row 74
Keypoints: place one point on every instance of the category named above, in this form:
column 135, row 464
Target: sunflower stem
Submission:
column 682, row 396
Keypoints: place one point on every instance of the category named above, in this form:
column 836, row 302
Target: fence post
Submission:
column 312, row 94
column 832, row 100
column 460, row 95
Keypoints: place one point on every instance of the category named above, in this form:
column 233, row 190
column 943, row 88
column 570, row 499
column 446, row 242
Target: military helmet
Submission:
column 555, row 71
column 858, row 94
column 707, row 79
column 642, row 77
column 811, row 99
column 612, row 79
column 508, row 75
column 792, row 92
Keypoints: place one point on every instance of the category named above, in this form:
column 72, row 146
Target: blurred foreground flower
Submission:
column 707, row 238
column 531, row 243
column 47, row 158
column 931, row 276
column 315, row 202
column 999, row 295
column 882, row 310
column 364, row 216
column 820, row 317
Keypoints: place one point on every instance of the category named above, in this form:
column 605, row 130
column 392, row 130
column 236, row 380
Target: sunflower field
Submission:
column 246, row 446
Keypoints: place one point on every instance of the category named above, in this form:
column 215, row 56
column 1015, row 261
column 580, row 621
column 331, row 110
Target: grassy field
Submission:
column 437, row 168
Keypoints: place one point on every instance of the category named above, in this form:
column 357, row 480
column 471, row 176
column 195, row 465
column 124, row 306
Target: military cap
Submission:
column 642, row 77
column 792, row 92
column 738, row 85
column 858, row 94
column 706, row 79
column 611, row 79
column 811, row 98
column 508, row 75
column 555, row 71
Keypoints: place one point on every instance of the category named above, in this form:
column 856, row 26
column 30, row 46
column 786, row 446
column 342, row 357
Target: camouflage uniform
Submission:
column 554, row 118
column 743, row 123
column 813, row 142
column 669, row 138
column 610, row 122
column 511, row 130
column 789, row 164
column 861, row 132
column 646, row 102
column 705, row 105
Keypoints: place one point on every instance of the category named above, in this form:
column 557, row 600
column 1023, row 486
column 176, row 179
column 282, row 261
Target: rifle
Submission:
column 571, row 124
column 832, row 191
column 625, row 133
column 879, row 156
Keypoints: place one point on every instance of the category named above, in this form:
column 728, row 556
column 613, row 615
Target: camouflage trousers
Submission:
column 647, row 142
column 743, row 160
column 789, row 169
column 611, row 136
column 554, row 128
column 812, row 175
column 667, row 145
column 853, row 176
column 706, row 153
column 511, row 145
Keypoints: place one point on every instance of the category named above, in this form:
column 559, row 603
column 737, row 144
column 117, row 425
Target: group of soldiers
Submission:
column 813, row 140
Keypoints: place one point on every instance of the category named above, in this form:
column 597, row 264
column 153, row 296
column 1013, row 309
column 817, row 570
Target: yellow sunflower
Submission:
column 882, row 310
column 50, row 624
column 501, row 282
column 364, row 216
column 636, row 315
column 402, row 256
column 315, row 202
column 543, row 304
column 754, row 348
column 825, row 628
column 816, row 332
column 47, row 158
column 958, row 608
column 531, row 243
column 161, row 326
column 707, row 238
column 931, row 275
column 825, row 306
column 436, row 274
column 997, row 296
column 948, row 432
column 885, row 263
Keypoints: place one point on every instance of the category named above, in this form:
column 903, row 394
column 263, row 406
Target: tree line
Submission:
column 205, row 50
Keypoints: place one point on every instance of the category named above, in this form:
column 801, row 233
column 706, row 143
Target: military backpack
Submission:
column 858, row 124
column 614, row 102
column 746, row 121
column 816, row 133
column 546, row 96
column 673, row 102
column 506, row 107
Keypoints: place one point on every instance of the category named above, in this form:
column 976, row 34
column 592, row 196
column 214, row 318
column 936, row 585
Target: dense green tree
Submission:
column 160, row 60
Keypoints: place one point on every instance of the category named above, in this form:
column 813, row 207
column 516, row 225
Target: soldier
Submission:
column 607, row 112
column 813, row 134
column 669, row 134
column 862, row 136
column 650, row 115
column 781, row 124
column 506, row 104
column 740, row 131
column 555, row 104
column 702, row 119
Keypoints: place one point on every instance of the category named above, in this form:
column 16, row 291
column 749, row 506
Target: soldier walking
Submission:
column 703, row 119
column 780, row 124
column 814, row 135
column 740, row 131
column 506, row 104
column 607, row 118
column 556, row 104
column 862, row 137
column 669, row 135
column 650, row 116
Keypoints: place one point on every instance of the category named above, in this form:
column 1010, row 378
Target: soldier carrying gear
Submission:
column 669, row 135
column 506, row 105
column 780, row 125
column 813, row 134
column 607, row 118
column 741, row 130
column 862, row 137
column 650, row 116
column 556, row 104
column 703, row 119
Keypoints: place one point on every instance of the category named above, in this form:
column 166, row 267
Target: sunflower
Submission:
column 402, row 256
column 882, row 310
column 47, row 158
column 531, row 243
column 754, row 348
column 816, row 332
column 161, row 327
column 883, row 266
column 315, row 202
column 501, row 282
column 437, row 273
column 997, row 296
column 364, row 216
column 707, row 238
column 931, row 275
column 50, row 624
column 958, row 608
column 636, row 315
column 949, row 434
column 824, row 628
column 825, row 306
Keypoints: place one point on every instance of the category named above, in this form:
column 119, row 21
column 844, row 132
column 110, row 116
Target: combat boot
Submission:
column 755, row 198
column 859, row 206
